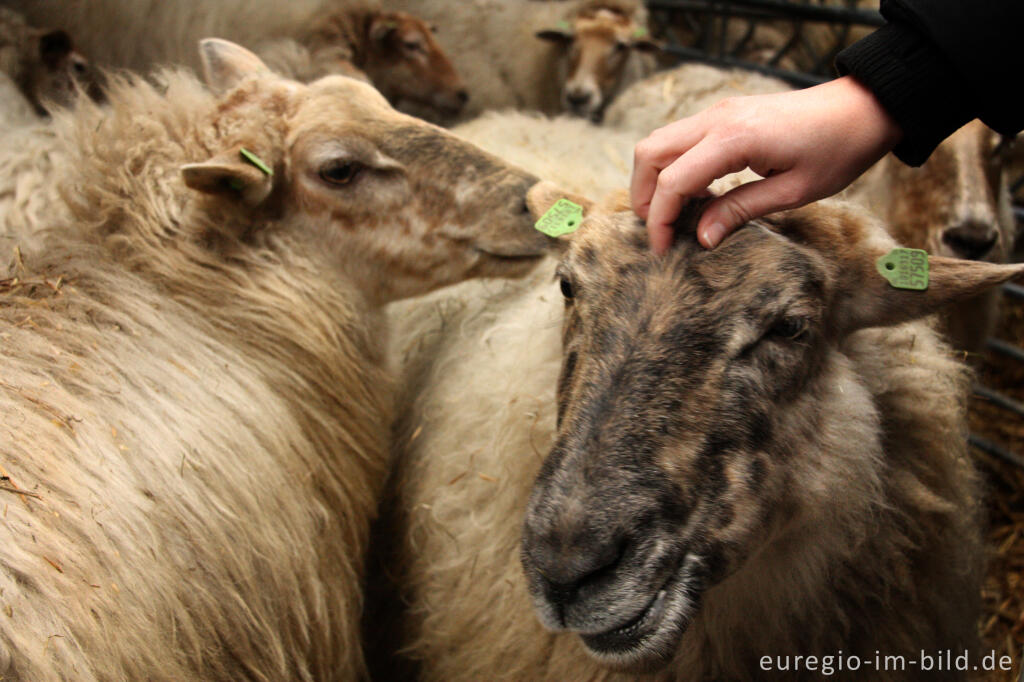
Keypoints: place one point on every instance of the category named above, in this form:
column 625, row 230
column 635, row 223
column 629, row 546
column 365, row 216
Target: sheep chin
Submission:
column 649, row 641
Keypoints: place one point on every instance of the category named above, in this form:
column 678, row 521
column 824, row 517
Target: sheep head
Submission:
column 702, row 396
column 399, row 204
column 597, row 45
column 398, row 54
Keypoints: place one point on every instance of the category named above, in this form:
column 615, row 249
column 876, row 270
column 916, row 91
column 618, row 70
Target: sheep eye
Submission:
column 566, row 287
column 340, row 173
column 621, row 47
column 413, row 46
column 788, row 328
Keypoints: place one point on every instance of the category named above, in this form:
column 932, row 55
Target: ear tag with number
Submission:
column 639, row 32
column 562, row 218
column 905, row 268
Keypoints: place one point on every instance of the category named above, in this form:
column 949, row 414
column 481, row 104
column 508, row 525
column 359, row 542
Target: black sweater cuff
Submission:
column 914, row 82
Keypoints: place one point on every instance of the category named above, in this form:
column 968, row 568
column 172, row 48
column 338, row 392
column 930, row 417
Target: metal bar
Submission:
column 998, row 399
column 1008, row 349
column 996, row 451
column 1014, row 290
column 778, row 9
column 801, row 80
column 1018, row 212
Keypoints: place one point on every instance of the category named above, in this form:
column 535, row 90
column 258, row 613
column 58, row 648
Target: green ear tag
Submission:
column 255, row 160
column 562, row 218
column 905, row 268
column 564, row 26
column 639, row 32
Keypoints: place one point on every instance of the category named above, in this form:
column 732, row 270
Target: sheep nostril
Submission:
column 462, row 96
column 971, row 241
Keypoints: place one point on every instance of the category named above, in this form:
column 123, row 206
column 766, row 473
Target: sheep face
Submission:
column 401, row 205
column 957, row 204
column 408, row 66
column 44, row 64
column 596, row 50
column 689, row 387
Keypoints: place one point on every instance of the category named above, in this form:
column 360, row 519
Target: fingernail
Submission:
column 713, row 234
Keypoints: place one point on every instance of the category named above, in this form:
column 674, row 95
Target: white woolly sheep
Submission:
column 194, row 408
column 309, row 38
column 841, row 519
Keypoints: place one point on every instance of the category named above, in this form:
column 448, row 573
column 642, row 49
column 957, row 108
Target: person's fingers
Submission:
column 656, row 151
column 686, row 177
column 749, row 201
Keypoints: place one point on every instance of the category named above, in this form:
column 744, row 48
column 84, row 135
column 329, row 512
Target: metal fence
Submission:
column 723, row 32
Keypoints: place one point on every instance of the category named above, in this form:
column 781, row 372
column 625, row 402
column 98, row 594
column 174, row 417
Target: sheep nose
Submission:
column 578, row 100
column 567, row 562
column 971, row 239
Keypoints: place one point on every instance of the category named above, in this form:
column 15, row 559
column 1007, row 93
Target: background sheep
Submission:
column 958, row 205
column 193, row 402
column 896, row 522
column 494, row 46
column 304, row 39
column 42, row 63
column 606, row 45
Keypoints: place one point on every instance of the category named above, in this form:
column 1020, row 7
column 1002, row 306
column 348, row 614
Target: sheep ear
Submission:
column 544, row 194
column 859, row 251
column 867, row 299
column 54, row 46
column 555, row 35
column 231, row 176
column 225, row 64
column 647, row 45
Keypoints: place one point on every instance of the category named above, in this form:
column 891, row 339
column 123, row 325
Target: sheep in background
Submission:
column 603, row 46
column 957, row 204
column 43, row 64
column 15, row 109
column 306, row 39
column 836, row 511
column 494, row 46
column 682, row 91
column 32, row 159
column 550, row 148
column 195, row 411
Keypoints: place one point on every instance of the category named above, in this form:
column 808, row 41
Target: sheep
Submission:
column 683, row 91
column 306, row 39
column 42, row 64
column 604, row 44
column 194, row 402
column 550, row 148
column 792, row 453
column 495, row 47
column 15, row 109
column 31, row 158
column 955, row 205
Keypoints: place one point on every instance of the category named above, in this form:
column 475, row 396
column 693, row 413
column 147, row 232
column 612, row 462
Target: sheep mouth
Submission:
column 649, row 639
column 512, row 257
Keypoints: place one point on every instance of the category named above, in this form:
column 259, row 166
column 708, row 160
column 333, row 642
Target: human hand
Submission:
column 806, row 145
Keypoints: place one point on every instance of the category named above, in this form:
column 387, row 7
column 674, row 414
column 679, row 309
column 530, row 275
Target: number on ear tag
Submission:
column 562, row 218
column 905, row 268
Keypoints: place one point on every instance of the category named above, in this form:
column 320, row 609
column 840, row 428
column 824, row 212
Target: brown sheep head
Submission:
column 400, row 204
column 693, row 387
column 398, row 54
column 596, row 46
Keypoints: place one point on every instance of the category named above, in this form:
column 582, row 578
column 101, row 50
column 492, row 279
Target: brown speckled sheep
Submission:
column 749, row 461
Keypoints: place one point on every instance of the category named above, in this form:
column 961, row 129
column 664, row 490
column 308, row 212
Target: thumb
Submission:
column 747, row 202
